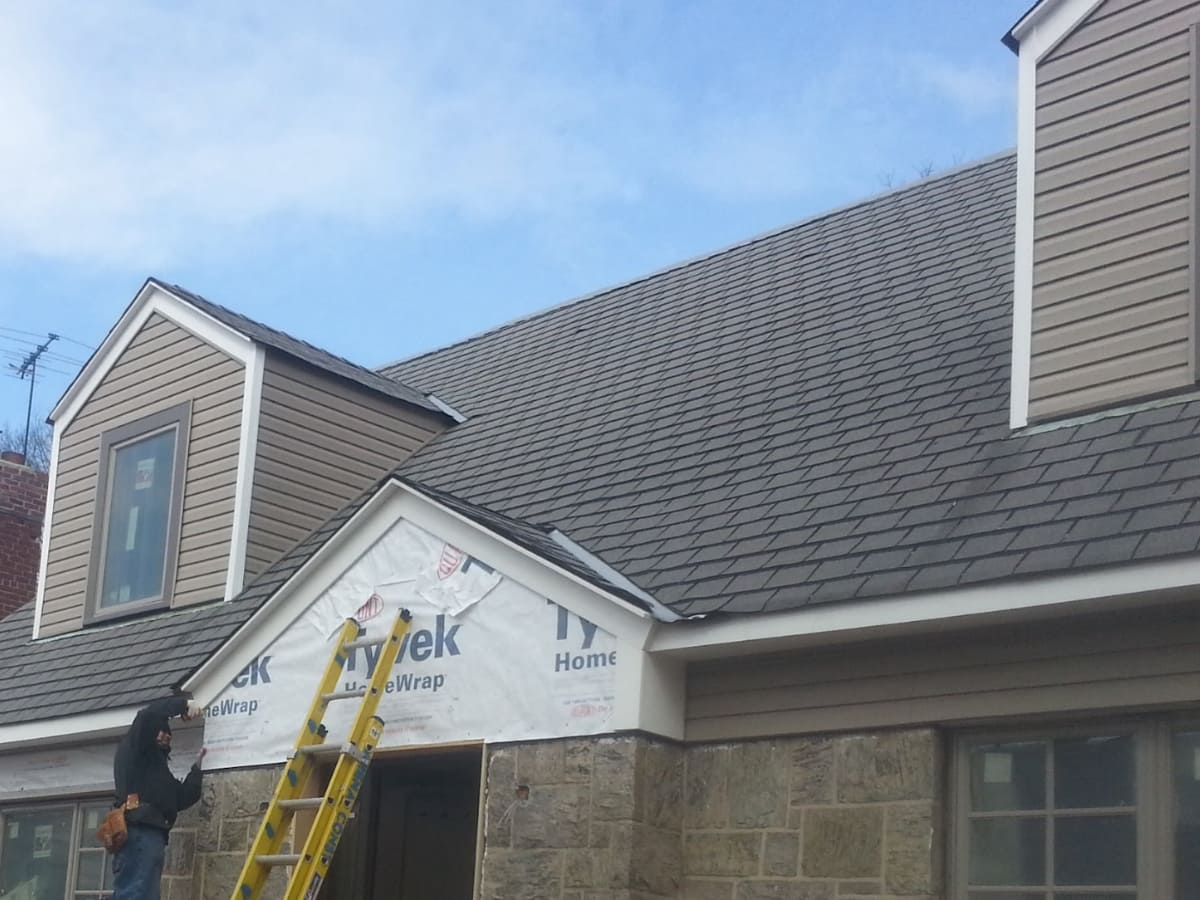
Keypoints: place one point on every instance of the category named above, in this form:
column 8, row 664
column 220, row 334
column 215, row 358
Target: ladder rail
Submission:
column 338, row 800
column 348, row 775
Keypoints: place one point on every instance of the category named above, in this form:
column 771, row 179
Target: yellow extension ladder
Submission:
column 311, row 865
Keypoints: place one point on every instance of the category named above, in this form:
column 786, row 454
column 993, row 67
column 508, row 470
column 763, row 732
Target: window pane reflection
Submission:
column 1093, row 771
column 1008, row 851
column 1095, row 850
column 1008, row 777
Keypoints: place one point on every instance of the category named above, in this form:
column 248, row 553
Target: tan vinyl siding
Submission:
column 1092, row 663
column 1112, row 301
column 163, row 366
column 321, row 441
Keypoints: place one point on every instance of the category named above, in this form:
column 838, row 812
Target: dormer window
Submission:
column 140, row 500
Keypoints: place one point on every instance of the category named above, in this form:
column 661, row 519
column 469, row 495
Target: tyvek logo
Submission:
column 451, row 559
column 370, row 609
column 255, row 673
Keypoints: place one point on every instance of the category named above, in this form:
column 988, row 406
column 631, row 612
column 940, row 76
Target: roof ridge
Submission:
column 711, row 254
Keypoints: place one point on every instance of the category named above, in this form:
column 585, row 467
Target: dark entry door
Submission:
column 414, row 834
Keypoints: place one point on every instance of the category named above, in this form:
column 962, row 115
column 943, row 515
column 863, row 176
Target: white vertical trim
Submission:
column 1022, row 327
column 45, row 538
column 247, row 450
column 1038, row 33
column 651, row 693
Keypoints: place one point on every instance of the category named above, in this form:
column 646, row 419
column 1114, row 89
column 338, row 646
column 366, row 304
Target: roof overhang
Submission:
column 1020, row 600
column 152, row 298
column 1048, row 21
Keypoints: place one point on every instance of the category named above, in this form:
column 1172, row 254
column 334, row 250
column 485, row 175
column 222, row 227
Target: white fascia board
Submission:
column 1038, row 33
column 542, row 577
column 395, row 501
column 67, row 729
column 1012, row 601
column 150, row 299
column 44, row 555
column 596, row 564
column 247, row 454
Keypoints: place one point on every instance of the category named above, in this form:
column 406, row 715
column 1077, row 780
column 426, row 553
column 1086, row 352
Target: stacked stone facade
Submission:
column 584, row 819
column 814, row 818
column 851, row 817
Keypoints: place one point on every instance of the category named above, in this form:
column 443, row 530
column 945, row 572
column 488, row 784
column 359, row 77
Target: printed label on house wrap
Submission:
column 485, row 658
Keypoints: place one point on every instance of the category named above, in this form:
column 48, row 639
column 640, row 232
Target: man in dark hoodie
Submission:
column 140, row 767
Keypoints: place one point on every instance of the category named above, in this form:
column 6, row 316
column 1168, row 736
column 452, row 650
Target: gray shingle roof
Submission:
column 304, row 351
column 816, row 415
column 89, row 670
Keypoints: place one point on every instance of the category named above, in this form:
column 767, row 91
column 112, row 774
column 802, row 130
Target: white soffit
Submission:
column 392, row 502
column 1017, row 600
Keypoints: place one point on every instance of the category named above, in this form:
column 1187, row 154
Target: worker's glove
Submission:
column 194, row 711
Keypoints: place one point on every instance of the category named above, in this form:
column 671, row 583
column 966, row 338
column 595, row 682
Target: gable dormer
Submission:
column 195, row 447
column 1105, row 261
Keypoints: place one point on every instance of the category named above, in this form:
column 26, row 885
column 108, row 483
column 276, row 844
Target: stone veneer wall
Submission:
column 634, row 818
column 209, row 842
column 601, row 820
column 814, row 818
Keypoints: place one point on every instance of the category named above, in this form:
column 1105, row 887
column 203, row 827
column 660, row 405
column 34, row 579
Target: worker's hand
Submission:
column 200, row 758
column 194, row 711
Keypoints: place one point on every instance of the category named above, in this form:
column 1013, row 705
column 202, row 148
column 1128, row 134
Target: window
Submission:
column 139, row 500
column 50, row 853
column 1079, row 815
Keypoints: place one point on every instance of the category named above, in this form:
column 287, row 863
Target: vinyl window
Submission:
column 1106, row 813
column 139, row 501
column 50, row 853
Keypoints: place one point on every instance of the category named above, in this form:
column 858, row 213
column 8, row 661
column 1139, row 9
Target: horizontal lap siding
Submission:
column 1112, row 305
column 321, row 441
column 164, row 365
column 1092, row 664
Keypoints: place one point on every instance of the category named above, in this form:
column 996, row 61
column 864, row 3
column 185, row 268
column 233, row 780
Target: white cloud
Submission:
column 133, row 130
column 974, row 89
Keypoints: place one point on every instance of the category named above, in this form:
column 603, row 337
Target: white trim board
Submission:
column 151, row 299
column 1126, row 586
column 67, row 729
column 235, row 576
column 1037, row 33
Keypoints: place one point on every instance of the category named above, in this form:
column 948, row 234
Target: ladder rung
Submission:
column 344, row 695
column 278, row 859
column 302, row 803
column 364, row 642
column 319, row 749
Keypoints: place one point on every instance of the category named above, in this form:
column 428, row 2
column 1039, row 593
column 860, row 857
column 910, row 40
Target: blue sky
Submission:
column 391, row 178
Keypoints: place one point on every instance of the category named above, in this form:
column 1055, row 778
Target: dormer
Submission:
column 1104, row 297
column 197, row 446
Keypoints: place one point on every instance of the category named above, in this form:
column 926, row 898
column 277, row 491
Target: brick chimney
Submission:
column 22, row 507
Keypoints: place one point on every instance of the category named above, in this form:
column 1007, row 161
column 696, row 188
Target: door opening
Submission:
column 413, row 836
